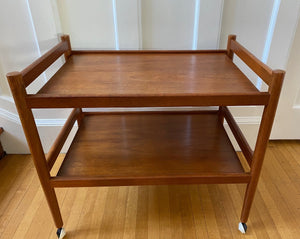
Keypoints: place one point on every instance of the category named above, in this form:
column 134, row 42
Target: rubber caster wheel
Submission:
column 60, row 233
column 243, row 227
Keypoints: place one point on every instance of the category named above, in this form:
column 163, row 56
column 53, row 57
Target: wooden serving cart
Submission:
column 154, row 147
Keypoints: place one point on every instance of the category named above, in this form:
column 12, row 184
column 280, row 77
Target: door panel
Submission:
column 167, row 24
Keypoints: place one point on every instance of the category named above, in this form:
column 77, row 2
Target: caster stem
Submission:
column 243, row 227
column 60, row 233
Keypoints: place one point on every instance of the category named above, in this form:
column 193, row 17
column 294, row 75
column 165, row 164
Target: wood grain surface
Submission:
column 148, row 74
column 147, row 79
column 150, row 145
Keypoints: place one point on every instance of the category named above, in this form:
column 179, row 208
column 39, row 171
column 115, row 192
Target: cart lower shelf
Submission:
column 150, row 148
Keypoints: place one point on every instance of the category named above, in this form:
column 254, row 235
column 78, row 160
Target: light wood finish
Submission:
column 147, row 79
column 68, row 52
column 262, row 140
column 61, row 138
column 150, row 144
column 145, row 74
column 238, row 134
column 229, row 50
column 31, row 72
column 17, row 87
column 261, row 69
column 204, row 78
column 76, row 52
column 58, row 101
column 150, row 148
column 200, row 211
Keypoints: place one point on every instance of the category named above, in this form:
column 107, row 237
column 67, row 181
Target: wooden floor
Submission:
column 186, row 211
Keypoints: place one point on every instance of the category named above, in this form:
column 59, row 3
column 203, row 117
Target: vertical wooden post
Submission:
column 229, row 51
column 80, row 117
column 221, row 115
column 68, row 53
column 19, row 93
column 262, row 141
column 230, row 55
column 2, row 152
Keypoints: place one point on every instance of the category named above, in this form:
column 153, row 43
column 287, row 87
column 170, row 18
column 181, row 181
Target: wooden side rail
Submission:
column 61, row 138
column 261, row 69
column 31, row 72
column 78, row 52
column 238, row 134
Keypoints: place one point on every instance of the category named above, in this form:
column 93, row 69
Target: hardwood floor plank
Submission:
column 14, row 185
column 153, row 212
column 197, row 208
column 32, row 210
column 120, row 215
column 209, row 212
column 142, row 213
column 131, row 212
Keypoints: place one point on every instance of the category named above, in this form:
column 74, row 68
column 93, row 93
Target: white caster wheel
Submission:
column 242, row 227
column 60, row 233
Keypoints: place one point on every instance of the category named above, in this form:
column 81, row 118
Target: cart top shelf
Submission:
column 148, row 74
column 97, row 79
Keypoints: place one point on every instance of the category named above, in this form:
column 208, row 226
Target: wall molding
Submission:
column 14, row 118
column 10, row 116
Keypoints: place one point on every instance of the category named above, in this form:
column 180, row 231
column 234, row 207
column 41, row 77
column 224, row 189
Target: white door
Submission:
column 287, row 121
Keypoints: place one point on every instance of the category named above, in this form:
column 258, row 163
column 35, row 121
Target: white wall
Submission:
column 142, row 24
column 31, row 32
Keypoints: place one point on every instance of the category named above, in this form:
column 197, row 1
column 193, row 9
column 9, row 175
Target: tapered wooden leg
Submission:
column 18, row 89
column 53, row 205
column 262, row 141
column 248, row 200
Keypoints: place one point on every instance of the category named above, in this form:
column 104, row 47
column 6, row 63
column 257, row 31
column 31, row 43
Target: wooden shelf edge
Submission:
column 60, row 181
column 79, row 159
column 76, row 52
column 84, row 101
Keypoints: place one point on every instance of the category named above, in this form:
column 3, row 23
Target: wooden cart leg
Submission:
column 248, row 199
column 28, row 123
column 53, row 205
column 261, row 145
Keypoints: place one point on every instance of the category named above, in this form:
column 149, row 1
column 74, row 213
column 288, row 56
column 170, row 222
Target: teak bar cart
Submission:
column 147, row 148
